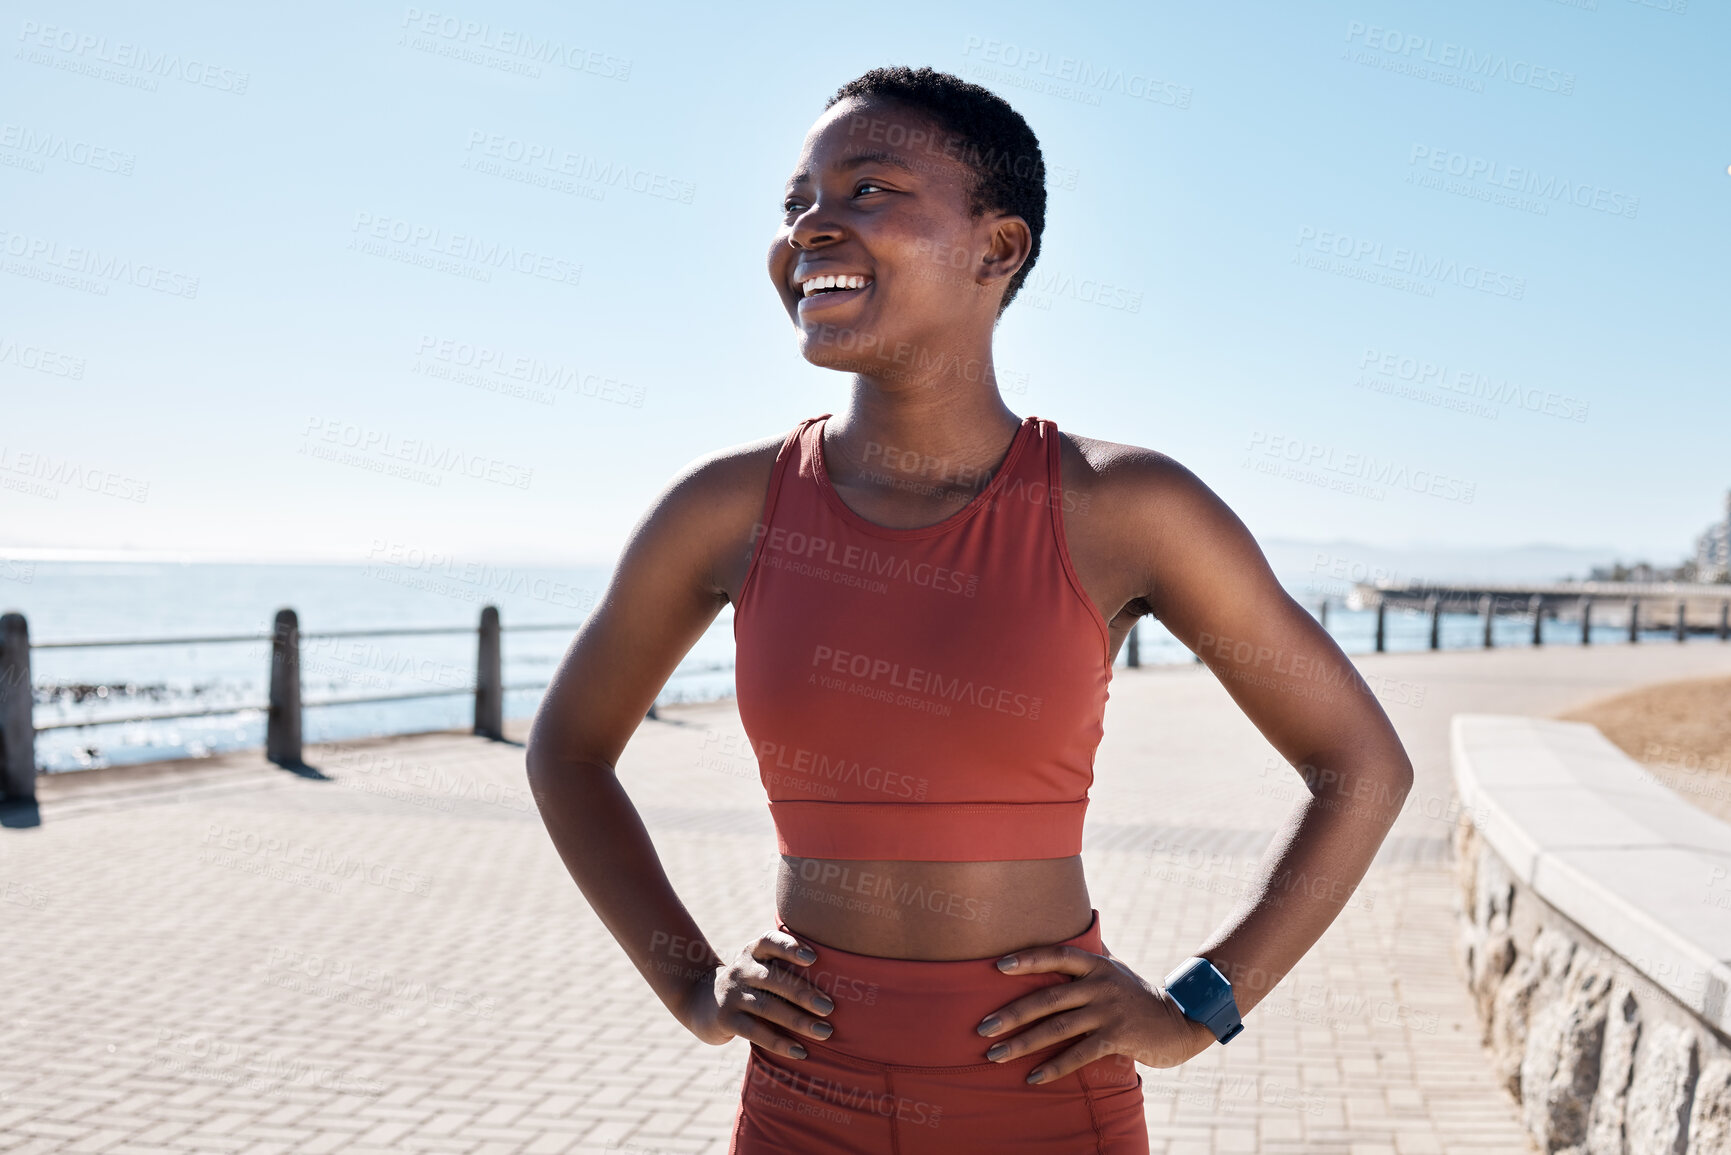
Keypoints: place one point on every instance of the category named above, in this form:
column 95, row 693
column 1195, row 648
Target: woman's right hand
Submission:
column 758, row 998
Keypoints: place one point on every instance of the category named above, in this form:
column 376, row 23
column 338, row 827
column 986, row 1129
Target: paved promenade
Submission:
column 225, row 957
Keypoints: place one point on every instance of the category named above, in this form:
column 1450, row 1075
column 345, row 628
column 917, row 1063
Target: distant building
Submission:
column 1713, row 549
column 1640, row 572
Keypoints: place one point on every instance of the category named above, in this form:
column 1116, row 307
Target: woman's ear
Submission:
column 1010, row 242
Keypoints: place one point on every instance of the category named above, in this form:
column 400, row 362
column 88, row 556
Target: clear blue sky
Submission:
column 1206, row 157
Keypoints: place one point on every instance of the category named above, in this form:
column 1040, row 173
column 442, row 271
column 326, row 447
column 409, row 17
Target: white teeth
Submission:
column 831, row 281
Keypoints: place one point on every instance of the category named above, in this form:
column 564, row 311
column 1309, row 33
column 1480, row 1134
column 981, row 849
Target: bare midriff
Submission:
column 933, row 910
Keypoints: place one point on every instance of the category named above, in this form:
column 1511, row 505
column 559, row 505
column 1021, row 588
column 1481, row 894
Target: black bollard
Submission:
column 282, row 731
column 17, row 719
column 489, row 678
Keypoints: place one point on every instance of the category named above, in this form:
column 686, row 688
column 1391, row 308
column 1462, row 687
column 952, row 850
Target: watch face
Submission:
column 1198, row 990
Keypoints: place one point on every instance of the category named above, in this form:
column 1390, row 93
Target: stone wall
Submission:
column 1602, row 1060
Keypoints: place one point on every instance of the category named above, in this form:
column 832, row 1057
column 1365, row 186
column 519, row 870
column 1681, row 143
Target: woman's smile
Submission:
column 823, row 300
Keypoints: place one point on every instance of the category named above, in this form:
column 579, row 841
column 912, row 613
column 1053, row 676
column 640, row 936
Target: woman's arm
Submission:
column 1212, row 588
column 670, row 583
column 1204, row 577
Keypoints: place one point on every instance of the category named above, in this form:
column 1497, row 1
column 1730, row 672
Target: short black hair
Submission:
column 1009, row 172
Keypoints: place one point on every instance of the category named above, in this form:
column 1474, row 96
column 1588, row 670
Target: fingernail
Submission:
column 805, row 954
column 797, row 1051
column 824, row 1005
column 1008, row 962
column 1036, row 1075
column 996, row 1051
column 822, row 1030
column 990, row 1025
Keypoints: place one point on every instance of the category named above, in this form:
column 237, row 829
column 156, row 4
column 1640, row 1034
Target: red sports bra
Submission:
column 930, row 694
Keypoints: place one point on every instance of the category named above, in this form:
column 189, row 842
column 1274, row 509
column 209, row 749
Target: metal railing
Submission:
column 1536, row 607
column 1533, row 607
column 285, row 707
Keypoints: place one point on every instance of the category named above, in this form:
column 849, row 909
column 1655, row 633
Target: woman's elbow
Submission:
column 1398, row 780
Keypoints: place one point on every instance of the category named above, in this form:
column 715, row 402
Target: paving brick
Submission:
column 296, row 1008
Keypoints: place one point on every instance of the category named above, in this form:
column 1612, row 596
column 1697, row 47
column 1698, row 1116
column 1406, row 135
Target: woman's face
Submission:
column 880, row 196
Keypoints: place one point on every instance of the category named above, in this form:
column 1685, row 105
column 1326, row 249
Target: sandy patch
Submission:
column 1681, row 731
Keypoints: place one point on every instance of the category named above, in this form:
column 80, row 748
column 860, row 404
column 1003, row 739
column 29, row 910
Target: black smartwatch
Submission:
column 1204, row 995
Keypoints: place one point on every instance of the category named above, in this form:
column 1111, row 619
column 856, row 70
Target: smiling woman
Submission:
column 929, row 592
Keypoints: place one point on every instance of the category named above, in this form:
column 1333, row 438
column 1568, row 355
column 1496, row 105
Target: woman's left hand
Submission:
column 1105, row 1006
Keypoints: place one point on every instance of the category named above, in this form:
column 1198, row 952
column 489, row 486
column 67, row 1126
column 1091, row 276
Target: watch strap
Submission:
column 1225, row 1022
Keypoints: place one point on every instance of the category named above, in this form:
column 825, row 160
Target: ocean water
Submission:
column 74, row 601
column 113, row 601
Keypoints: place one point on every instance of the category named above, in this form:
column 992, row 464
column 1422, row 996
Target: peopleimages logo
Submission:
column 87, row 47
column 1518, row 179
column 1414, row 51
column 526, row 47
column 558, row 161
column 1089, row 78
column 1471, row 384
column 40, row 146
column 472, row 580
column 1087, row 290
column 866, row 562
column 921, row 681
column 97, row 263
column 1364, row 467
column 814, row 765
column 374, row 233
column 52, row 471
column 1369, row 255
column 483, row 366
column 387, row 448
column 40, row 359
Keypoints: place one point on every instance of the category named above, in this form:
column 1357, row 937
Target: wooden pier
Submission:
column 1676, row 608
column 1560, row 600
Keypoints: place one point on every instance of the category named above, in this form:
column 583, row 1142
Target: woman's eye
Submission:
column 792, row 205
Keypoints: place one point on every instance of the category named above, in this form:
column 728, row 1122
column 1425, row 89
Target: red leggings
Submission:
column 906, row 1074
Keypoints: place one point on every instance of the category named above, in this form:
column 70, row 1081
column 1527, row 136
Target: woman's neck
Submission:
column 923, row 440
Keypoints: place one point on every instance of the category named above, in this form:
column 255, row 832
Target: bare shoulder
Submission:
column 1129, row 482
column 1150, row 531
column 729, row 477
column 706, row 513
